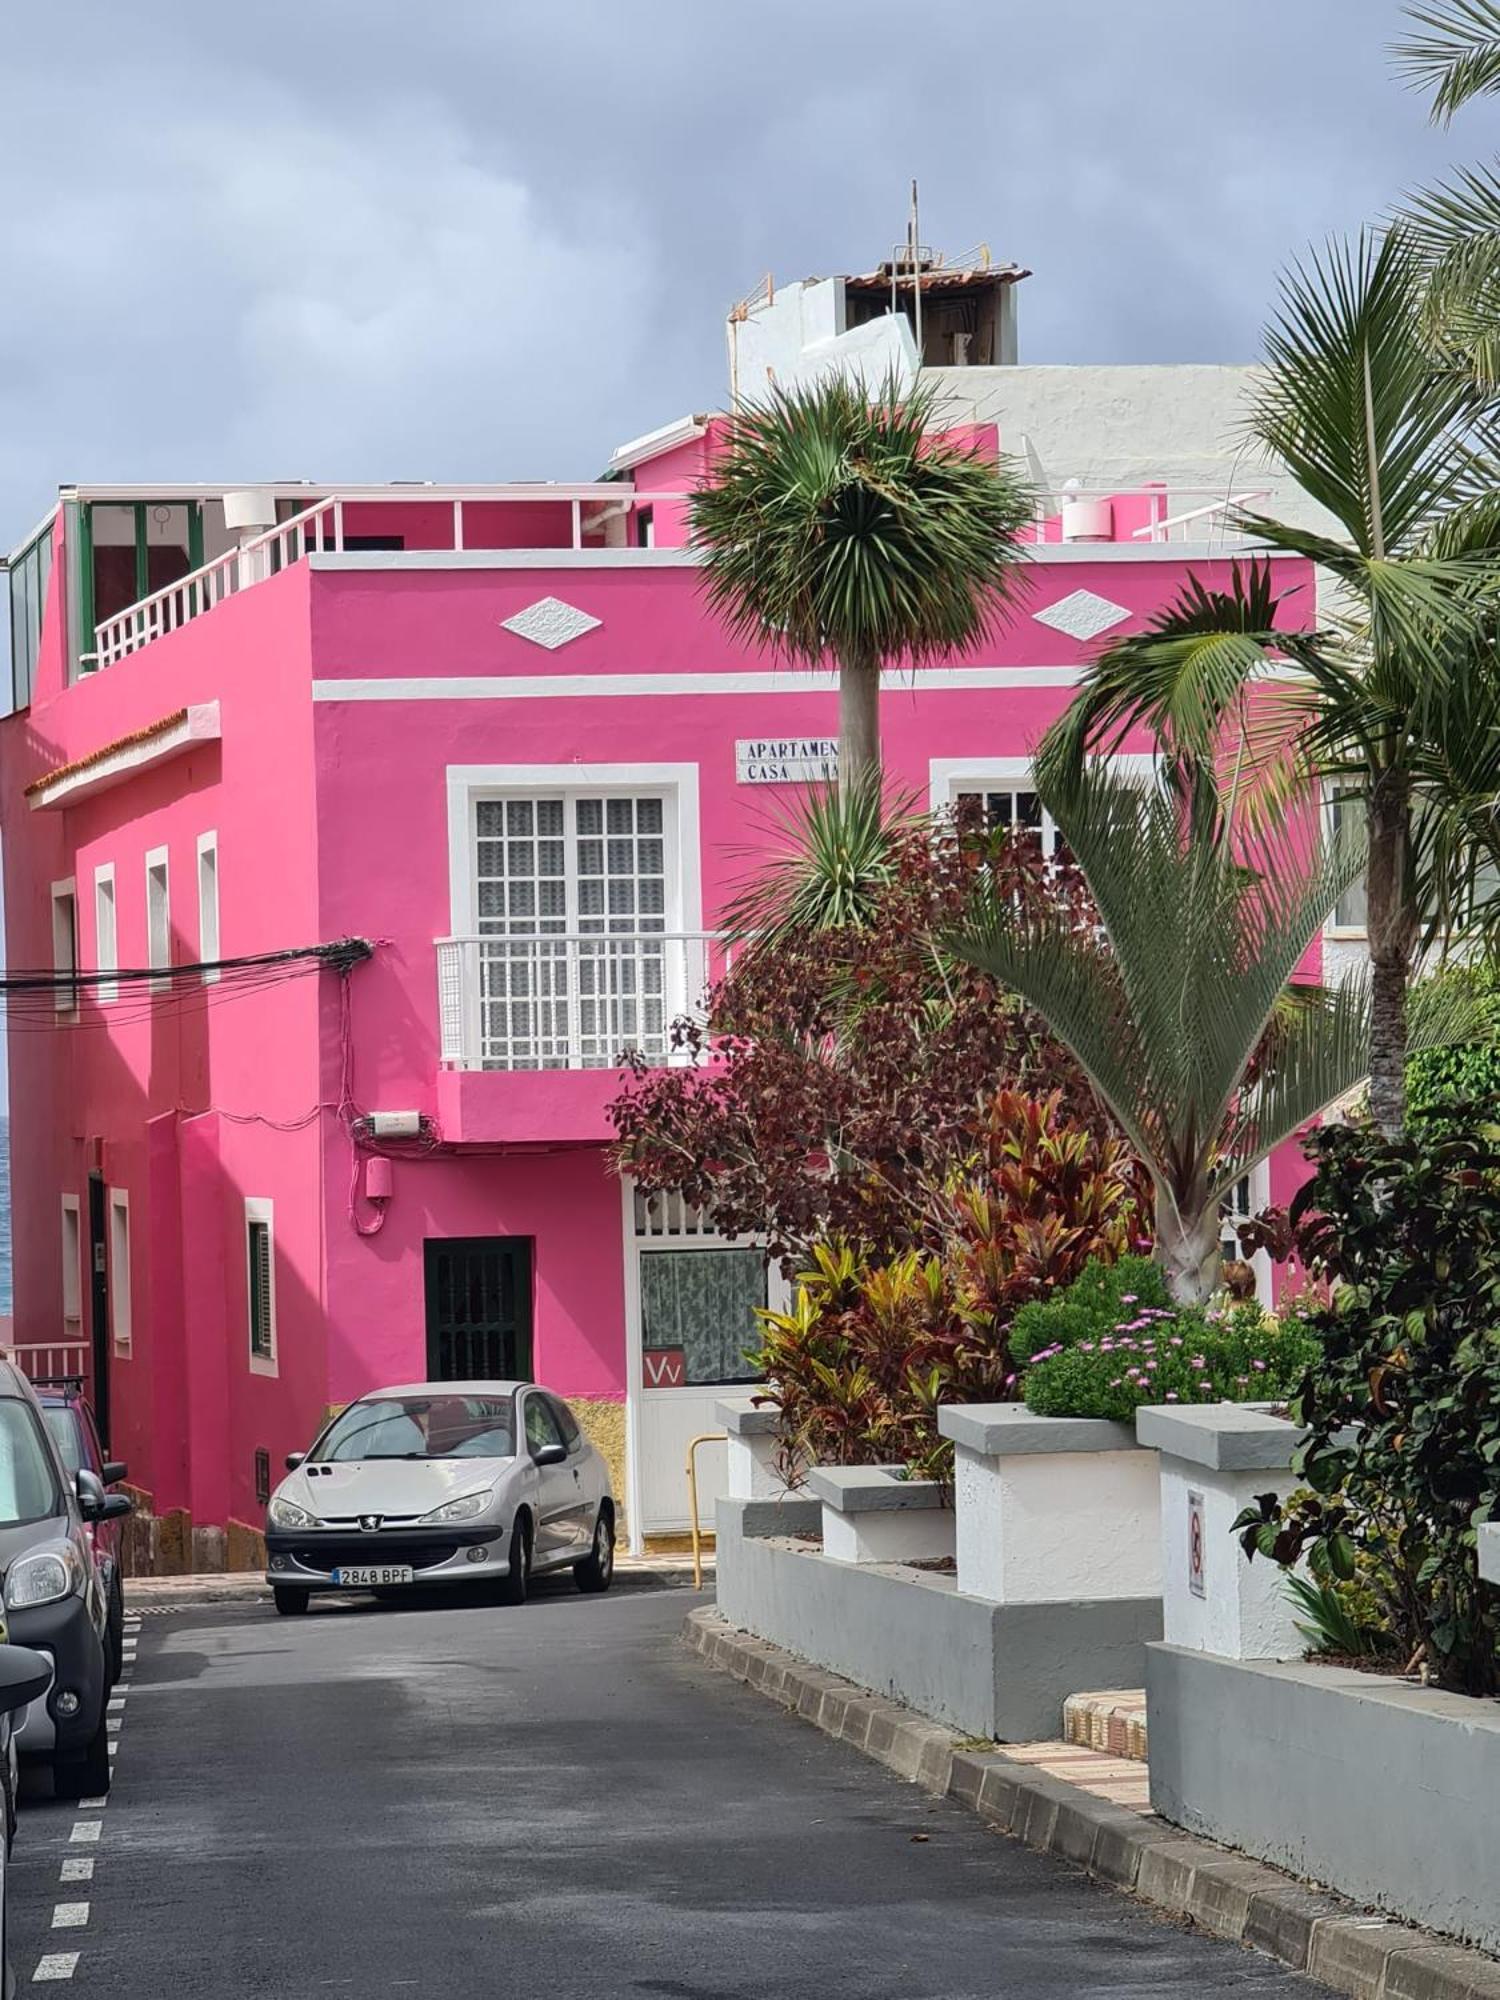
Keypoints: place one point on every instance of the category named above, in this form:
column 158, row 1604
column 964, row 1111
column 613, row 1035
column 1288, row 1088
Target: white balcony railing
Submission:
column 321, row 526
column 570, row 1000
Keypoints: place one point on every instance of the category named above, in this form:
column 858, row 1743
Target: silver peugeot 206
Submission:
column 442, row 1483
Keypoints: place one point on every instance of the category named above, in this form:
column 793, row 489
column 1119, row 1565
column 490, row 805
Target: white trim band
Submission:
column 556, row 687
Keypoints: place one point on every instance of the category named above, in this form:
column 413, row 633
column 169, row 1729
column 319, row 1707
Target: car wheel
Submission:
column 596, row 1571
column 513, row 1586
column 290, row 1603
column 84, row 1775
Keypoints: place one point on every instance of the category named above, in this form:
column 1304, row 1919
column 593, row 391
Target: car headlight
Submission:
column 466, row 1508
column 287, row 1514
column 42, row 1578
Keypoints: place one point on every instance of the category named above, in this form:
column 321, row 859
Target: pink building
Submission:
column 496, row 733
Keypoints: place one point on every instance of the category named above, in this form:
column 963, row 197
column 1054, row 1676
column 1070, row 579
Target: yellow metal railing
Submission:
column 703, row 1437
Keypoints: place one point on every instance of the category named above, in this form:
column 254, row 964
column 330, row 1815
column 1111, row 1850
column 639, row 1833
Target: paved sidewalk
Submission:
column 162, row 1593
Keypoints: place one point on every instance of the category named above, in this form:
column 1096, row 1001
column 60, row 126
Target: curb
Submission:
column 169, row 1593
column 1241, row 1901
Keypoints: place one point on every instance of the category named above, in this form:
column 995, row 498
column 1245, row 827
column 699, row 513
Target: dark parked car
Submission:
column 70, row 1419
column 25, row 1677
column 55, row 1600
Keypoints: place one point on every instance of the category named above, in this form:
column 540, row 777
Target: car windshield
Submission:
column 67, row 1433
column 28, row 1478
column 420, row 1427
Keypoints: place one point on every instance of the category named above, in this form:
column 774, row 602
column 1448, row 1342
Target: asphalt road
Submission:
column 470, row 1801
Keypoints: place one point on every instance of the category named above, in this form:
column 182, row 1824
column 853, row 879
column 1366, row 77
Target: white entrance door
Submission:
column 693, row 1318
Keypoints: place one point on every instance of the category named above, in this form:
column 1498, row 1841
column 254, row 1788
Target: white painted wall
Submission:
column 1244, row 1612
column 801, row 336
column 1119, row 427
column 888, row 1534
column 1057, row 1527
column 772, row 339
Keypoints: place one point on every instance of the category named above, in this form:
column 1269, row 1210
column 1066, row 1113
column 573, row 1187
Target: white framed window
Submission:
column 119, row 1270
column 65, row 945
column 260, row 1284
column 581, row 886
column 72, row 1268
column 208, row 902
column 158, row 915
column 106, row 933
column 1350, row 913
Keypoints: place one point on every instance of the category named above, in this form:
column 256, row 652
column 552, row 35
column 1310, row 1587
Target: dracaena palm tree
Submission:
column 843, row 528
column 1177, row 1007
column 1395, row 701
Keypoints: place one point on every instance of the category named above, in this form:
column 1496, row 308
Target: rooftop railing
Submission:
column 1072, row 514
column 321, row 527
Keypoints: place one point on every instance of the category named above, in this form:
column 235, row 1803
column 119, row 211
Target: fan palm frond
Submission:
column 1453, row 55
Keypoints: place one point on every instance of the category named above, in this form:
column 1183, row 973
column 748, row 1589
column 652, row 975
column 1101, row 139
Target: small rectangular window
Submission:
column 65, row 945
column 106, row 933
column 645, row 528
column 698, row 1314
column 1350, row 912
column 119, row 1270
column 158, row 915
column 260, row 1284
column 72, row 1268
column 208, row 902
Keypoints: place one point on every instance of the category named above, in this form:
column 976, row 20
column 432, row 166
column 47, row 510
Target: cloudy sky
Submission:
column 474, row 239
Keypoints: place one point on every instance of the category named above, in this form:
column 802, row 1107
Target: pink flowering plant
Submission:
column 1107, row 1348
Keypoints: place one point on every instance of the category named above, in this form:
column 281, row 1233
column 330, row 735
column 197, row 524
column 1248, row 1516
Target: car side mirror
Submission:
column 294, row 1459
column 116, row 1506
column 90, row 1489
column 115, row 1469
column 551, row 1454
column 25, row 1677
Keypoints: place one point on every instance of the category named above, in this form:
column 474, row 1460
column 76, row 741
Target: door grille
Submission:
column 479, row 1309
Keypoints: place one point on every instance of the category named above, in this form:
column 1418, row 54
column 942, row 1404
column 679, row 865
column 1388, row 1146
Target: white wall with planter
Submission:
column 1371, row 1784
column 1055, row 1528
column 753, row 1448
column 1215, row 1459
column 1052, row 1510
column 874, row 1514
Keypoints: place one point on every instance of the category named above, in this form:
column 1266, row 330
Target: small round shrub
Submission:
column 1098, row 1298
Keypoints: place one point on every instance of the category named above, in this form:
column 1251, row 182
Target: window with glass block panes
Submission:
column 573, row 888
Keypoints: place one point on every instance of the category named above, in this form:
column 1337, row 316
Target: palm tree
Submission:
column 1177, row 1009
column 1453, row 54
column 1396, row 704
column 837, row 526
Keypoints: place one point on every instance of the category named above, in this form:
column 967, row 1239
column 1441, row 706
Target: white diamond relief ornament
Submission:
column 550, row 623
column 1083, row 615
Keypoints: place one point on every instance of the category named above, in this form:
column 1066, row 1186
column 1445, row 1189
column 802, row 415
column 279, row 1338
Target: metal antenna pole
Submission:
column 916, row 268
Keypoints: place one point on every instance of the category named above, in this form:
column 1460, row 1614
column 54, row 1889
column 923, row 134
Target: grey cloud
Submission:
column 488, row 241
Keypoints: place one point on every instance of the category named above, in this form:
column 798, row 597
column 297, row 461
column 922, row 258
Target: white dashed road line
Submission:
column 57, row 1965
column 74, row 1916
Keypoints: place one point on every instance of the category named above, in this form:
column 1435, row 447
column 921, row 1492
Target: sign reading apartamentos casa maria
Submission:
column 787, row 760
